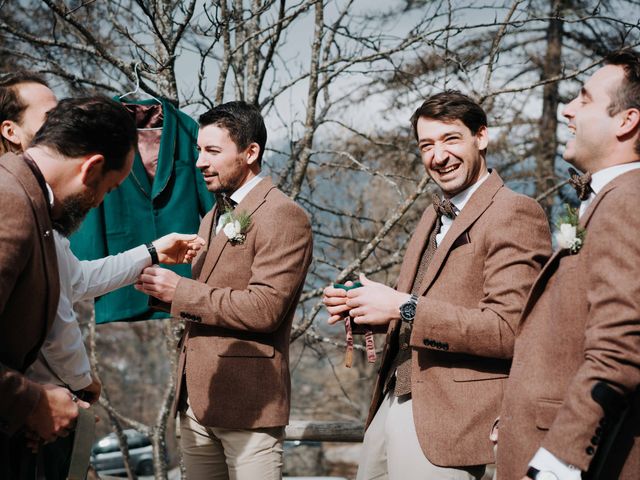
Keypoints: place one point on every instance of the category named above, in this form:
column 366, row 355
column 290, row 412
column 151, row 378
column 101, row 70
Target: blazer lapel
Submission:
column 254, row 199
column 204, row 232
column 475, row 207
column 17, row 166
column 540, row 283
column 414, row 250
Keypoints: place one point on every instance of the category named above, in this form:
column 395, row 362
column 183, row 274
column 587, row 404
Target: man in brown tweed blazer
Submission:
column 233, row 386
column 452, row 318
column 572, row 404
column 67, row 170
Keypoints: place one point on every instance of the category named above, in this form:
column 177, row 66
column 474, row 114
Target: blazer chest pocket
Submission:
column 546, row 411
column 461, row 249
column 245, row 348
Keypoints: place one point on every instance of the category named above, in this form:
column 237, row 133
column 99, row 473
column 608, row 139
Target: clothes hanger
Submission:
column 137, row 89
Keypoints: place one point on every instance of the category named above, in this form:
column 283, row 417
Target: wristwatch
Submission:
column 408, row 309
column 541, row 474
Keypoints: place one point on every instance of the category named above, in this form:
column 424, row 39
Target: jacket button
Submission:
column 599, row 431
column 590, row 450
column 595, row 440
column 404, row 346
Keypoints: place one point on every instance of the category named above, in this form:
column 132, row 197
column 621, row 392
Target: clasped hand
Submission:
column 372, row 304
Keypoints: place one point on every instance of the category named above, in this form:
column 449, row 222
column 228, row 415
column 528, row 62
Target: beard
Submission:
column 74, row 208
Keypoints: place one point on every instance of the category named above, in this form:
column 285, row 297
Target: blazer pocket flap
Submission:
column 469, row 375
column 246, row 348
column 546, row 411
column 473, row 369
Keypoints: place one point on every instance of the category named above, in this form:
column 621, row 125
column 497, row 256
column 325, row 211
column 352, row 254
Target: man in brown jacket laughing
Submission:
column 452, row 318
column 572, row 405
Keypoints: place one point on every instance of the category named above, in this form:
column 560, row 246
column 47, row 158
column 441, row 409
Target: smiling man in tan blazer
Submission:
column 233, row 377
column 572, row 402
column 452, row 318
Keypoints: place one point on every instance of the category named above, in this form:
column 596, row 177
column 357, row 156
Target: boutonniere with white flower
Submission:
column 235, row 226
column 570, row 234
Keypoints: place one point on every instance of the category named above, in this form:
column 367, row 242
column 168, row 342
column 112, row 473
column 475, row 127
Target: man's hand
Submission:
column 374, row 303
column 158, row 282
column 92, row 391
column 178, row 248
column 55, row 413
column 335, row 299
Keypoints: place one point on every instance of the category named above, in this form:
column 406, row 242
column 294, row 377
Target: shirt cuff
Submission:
column 80, row 382
column 545, row 461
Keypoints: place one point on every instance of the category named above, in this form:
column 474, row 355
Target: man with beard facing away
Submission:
column 84, row 149
column 24, row 100
column 452, row 317
column 572, row 404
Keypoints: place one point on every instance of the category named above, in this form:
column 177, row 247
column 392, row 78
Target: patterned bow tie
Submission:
column 225, row 202
column 581, row 183
column 444, row 207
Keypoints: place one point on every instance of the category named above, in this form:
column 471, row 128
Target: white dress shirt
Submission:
column 544, row 460
column 459, row 201
column 604, row 176
column 63, row 359
column 239, row 195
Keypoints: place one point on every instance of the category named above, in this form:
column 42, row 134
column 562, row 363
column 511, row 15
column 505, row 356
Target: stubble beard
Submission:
column 74, row 209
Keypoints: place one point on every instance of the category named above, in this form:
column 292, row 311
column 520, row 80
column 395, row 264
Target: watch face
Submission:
column 408, row 311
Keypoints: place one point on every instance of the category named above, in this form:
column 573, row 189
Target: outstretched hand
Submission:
column 177, row 248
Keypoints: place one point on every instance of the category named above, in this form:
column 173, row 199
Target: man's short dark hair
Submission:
column 242, row 120
column 92, row 125
column 12, row 106
column 628, row 94
column 449, row 106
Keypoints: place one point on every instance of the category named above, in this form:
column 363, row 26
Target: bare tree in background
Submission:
column 337, row 82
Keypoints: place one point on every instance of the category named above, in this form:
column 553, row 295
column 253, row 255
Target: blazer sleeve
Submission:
column 281, row 259
column 612, row 334
column 518, row 243
column 18, row 396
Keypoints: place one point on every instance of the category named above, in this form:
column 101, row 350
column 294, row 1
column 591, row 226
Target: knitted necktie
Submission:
column 581, row 183
column 402, row 363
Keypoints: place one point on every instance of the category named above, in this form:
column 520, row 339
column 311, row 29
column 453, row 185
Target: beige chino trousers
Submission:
column 211, row 453
column 391, row 450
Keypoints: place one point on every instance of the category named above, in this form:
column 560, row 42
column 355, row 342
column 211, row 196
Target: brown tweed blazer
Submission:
column 581, row 326
column 29, row 287
column 235, row 350
column 471, row 298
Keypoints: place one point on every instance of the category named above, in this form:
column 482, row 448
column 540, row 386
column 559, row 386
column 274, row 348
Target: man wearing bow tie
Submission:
column 572, row 407
column 233, row 389
column 452, row 317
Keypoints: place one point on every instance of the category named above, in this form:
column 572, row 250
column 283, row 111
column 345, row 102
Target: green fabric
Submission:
column 138, row 212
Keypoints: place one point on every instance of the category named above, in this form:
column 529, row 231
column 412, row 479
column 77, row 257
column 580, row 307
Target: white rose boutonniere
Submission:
column 570, row 234
column 235, row 226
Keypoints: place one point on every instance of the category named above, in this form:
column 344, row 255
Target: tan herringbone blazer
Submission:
column 240, row 307
column 471, row 298
column 29, row 290
column 581, row 326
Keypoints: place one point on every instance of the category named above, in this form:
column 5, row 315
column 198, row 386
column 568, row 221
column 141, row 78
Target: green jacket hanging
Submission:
column 140, row 211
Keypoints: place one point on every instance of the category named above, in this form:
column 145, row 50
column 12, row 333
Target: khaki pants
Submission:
column 211, row 453
column 391, row 450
